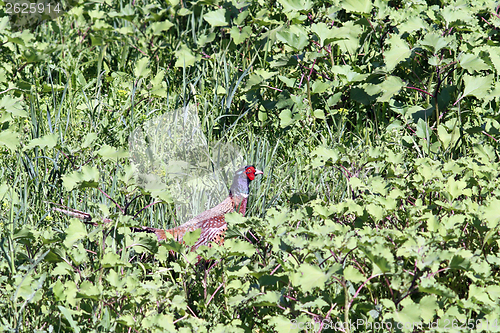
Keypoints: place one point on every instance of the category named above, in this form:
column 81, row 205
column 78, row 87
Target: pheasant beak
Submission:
column 258, row 172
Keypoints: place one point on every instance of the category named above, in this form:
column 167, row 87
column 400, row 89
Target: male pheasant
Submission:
column 212, row 222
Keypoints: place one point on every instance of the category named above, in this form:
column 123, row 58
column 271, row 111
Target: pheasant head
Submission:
column 242, row 179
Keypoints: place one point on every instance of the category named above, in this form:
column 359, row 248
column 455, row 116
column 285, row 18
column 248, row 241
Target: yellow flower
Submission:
column 343, row 111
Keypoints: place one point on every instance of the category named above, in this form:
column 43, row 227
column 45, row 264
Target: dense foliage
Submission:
column 376, row 124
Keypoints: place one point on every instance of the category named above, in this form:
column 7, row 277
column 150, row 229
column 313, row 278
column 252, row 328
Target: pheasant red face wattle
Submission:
column 252, row 172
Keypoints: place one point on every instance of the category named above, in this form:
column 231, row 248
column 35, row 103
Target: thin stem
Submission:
column 421, row 90
column 361, row 287
column 215, row 292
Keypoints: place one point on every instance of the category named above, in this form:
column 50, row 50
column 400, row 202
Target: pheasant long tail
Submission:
column 84, row 217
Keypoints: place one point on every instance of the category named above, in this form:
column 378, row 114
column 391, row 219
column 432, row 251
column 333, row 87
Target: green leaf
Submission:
column 233, row 219
column 67, row 315
column 422, row 129
column 185, row 57
column 375, row 211
column 47, row 141
column 296, row 5
column 238, row 247
column 433, row 223
column 494, row 292
column 473, row 63
column 62, row 268
column 127, row 320
column 349, row 205
column 428, row 308
column 184, row 12
column 78, row 254
column 128, row 30
column 190, row 238
column 283, row 324
column 492, row 213
column 353, row 275
column 239, row 36
column 479, row 294
column 324, row 211
column 494, row 56
column 240, row 19
column 114, row 279
column 52, row 87
column 435, row 42
column 409, row 314
column 148, row 242
column 100, row 25
column 286, row 118
column 326, row 33
column 172, row 245
column 58, row 290
column 270, row 298
column 3, row 73
column 276, row 217
column 74, row 232
column 236, row 300
column 476, row 85
column 13, row 106
column 126, row 13
column 391, row 86
column 324, row 155
column 71, row 290
column 357, row 6
column 162, row 194
column 317, row 303
column 9, row 139
column 319, row 114
column 141, row 67
column 297, row 40
column 111, row 259
column 109, row 153
column 413, row 23
column 265, row 74
column 216, row 18
column 158, row 28
column 381, row 257
column 350, row 74
column 398, row 52
column 205, row 39
column 319, row 87
column 309, row 277
column 457, row 188
column 89, row 139
column 4, row 21
column 158, row 323
column 445, row 137
column 432, row 287
column 179, row 302
column 86, row 177
column 88, row 290
column 456, row 12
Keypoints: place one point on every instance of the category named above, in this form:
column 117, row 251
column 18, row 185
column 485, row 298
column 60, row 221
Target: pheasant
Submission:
column 212, row 222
